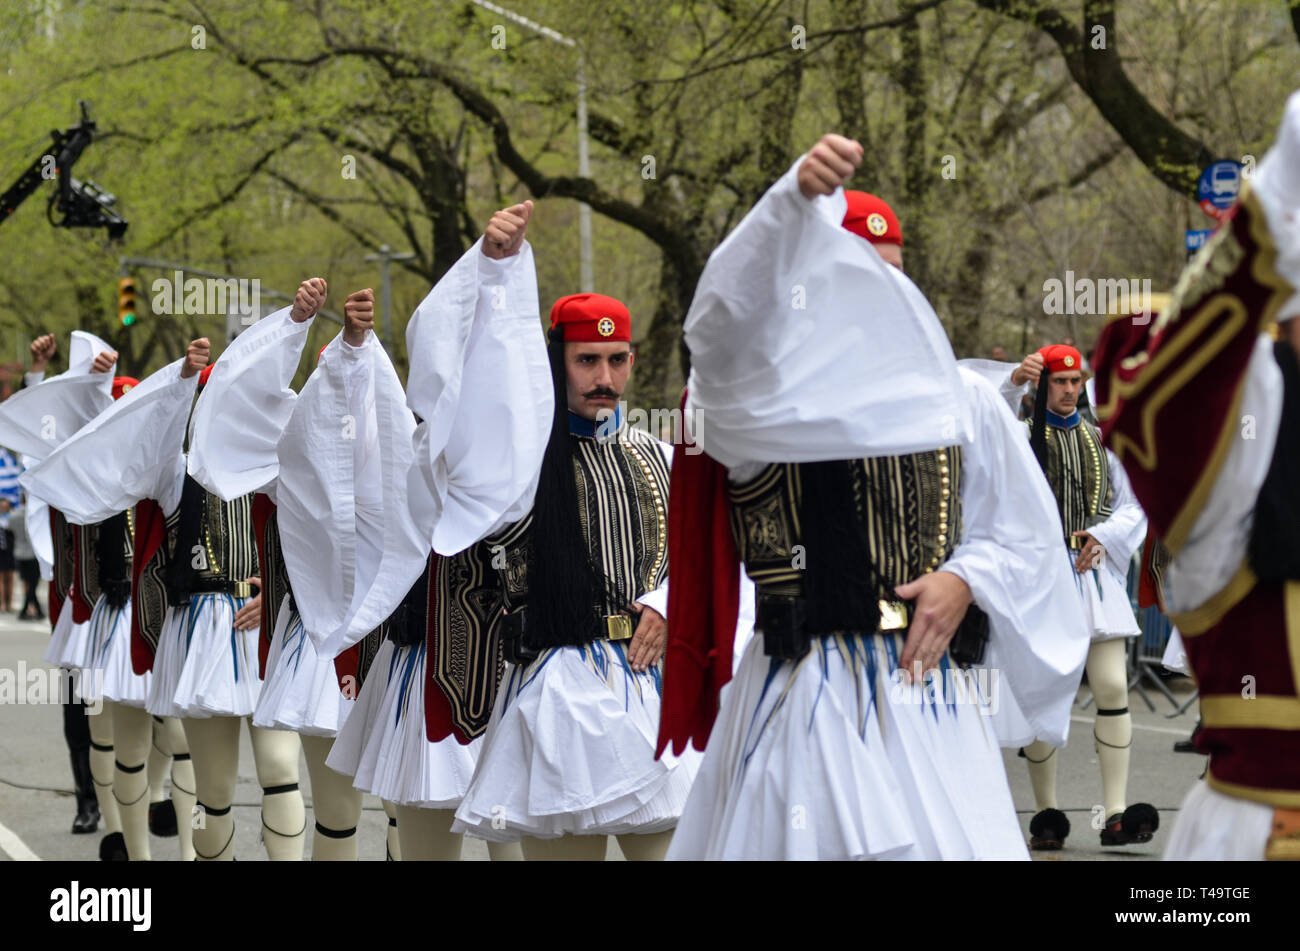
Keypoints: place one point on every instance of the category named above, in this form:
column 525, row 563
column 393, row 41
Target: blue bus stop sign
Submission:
column 1218, row 187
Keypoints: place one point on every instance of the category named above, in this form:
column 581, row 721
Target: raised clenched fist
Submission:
column 309, row 299
column 504, row 234
column 104, row 361
column 196, row 357
column 828, row 165
column 1029, row 369
column 358, row 316
column 42, row 349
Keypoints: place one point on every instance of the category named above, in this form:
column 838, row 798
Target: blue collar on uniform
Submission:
column 586, row 427
column 1063, row 422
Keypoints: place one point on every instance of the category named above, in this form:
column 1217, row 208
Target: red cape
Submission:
column 703, row 600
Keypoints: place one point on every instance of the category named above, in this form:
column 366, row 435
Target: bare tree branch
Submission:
column 1091, row 56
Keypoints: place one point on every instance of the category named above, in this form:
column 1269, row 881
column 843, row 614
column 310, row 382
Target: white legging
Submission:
column 1113, row 732
column 169, row 738
column 591, row 848
column 132, row 738
column 425, row 836
column 394, row 844
column 335, row 802
column 101, row 765
column 214, row 743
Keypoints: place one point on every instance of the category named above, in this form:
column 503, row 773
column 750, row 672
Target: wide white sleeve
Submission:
column 481, row 385
column 38, row 419
column 244, row 406
column 129, row 452
column 1010, row 556
column 1123, row 533
column 1013, row 394
column 1219, row 538
column 805, row 346
column 83, row 348
column 998, row 372
column 351, row 549
column 38, row 529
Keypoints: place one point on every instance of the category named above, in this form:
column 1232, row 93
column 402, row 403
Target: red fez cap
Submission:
column 1061, row 358
column 121, row 384
column 207, row 372
column 869, row 217
column 592, row 318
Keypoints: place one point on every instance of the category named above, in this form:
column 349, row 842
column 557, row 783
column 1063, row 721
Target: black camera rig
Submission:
column 75, row 204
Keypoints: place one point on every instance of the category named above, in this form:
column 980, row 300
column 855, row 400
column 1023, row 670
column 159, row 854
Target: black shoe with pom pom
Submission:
column 1047, row 831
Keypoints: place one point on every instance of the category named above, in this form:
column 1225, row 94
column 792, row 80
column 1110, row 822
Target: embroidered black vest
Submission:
column 1079, row 476
column 622, row 487
column 275, row 573
column 909, row 505
column 104, row 560
column 64, row 555
column 213, row 547
column 454, row 607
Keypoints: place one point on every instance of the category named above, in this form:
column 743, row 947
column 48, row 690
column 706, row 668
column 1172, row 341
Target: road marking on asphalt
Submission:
column 1184, row 732
column 15, row 847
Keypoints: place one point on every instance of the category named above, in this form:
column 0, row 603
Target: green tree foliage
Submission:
column 287, row 139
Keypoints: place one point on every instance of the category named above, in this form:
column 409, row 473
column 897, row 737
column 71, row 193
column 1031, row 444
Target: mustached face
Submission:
column 1063, row 392
column 596, row 375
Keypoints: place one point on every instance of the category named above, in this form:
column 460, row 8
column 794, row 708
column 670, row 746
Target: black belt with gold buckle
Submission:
column 236, row 589
column 621, row 627
column 614, row 627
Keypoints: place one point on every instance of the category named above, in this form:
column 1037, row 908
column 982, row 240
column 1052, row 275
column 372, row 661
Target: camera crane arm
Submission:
column 81, row 204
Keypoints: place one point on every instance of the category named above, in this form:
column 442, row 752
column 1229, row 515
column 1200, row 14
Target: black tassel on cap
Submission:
column 180, row 572
column 841, row 588
column 564, row 587
column 1038, row 431
column 114, row 578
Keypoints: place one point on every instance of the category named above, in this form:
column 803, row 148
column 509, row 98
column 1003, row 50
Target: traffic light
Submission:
column 126, row 301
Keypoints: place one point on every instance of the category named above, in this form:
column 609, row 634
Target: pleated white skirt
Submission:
column 69, row 646
column 301, row 690
column 345, row 755
column 570, row 749
column 834, row 758
column 1106, row 607
column 203, row 666
column 1214, row 826
column 110, row 652
column 384, row 745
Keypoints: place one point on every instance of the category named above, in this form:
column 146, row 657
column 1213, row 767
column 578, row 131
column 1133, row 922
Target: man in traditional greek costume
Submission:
column 90, row 589
column 896, row 528
column 381, row 496
column 195, row 613
column 1103, row 527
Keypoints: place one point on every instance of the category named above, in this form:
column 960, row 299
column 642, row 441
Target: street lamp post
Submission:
column 384, row 256
column 586, row 280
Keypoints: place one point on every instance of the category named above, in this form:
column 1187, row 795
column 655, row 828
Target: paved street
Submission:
column 37, row 807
